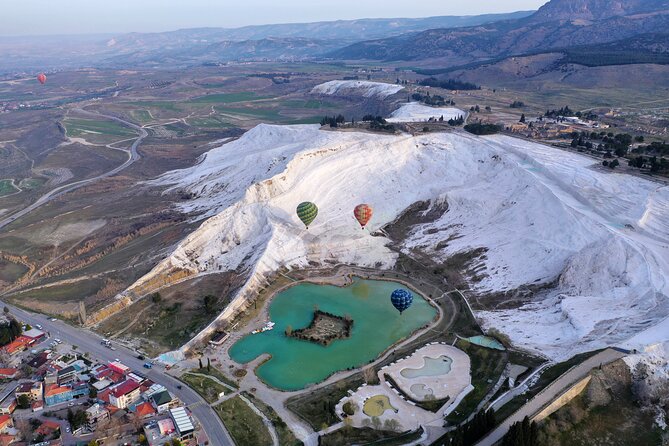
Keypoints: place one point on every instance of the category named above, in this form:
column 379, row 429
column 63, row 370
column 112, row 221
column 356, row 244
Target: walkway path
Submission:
column 265, row 420
column 546, row 396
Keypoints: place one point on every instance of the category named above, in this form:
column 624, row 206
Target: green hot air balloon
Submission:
column 307, row 212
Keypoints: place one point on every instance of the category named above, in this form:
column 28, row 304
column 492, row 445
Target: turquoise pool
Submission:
column 432, row 367
column 294, row 364
column 485, row 341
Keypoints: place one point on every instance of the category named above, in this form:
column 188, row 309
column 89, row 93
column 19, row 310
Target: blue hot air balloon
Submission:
column 401, row 299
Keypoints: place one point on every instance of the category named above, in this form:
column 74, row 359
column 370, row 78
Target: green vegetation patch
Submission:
column 85, row 127
column 367, row 436
column 209, row 122
column 245, row 427
column 7, row 188
column 70, row 292
column 11, row 272
column 206, row 387
column 286, row 436
column 32, row 183
column 228, row 98
column 142, row 116
column 487, row 366
column 216, row 373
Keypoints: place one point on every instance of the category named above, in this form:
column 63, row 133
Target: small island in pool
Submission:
column 292, row 364
column 324, row 328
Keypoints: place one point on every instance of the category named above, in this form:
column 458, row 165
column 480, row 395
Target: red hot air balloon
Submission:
column 41, row 78
column 363, row 213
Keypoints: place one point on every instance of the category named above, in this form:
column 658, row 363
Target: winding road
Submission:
column 133, row 156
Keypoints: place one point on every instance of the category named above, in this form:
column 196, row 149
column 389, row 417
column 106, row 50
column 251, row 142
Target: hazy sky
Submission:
column 39, row 17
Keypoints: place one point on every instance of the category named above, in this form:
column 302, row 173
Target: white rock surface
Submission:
column 544, row 215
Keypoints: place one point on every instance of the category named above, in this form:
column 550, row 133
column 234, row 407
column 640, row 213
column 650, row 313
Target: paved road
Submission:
column 90, row 342
column 545, row 397
column 133, row 156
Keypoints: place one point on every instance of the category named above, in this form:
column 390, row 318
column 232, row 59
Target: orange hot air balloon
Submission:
column 363, row 213
column 41, row 78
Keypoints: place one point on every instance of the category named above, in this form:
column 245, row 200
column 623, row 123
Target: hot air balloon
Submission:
column 307, row 212
column 363, row 213
column 41, row 78
column 401, row 299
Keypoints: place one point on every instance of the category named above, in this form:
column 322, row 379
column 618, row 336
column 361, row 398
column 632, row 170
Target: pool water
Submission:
column 295, row 363
column 432, row 367
column 485, row 341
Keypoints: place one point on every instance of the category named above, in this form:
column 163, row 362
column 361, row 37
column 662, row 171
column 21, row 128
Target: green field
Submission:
column 88, row 127
column 159, row 105
column 206, row 387
column 10, row 272
column 142, row 116
column 32, row 183
column 227, row 98
column 208, row 122
column 7, row 188
column 245, row 427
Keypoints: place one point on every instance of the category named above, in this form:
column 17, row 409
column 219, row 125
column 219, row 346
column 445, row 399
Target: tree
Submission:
column 156, row 298
column 376, row 423
column 23, row 402
column 93, row 392
column 613, row 164
column 210, row 302
column 208, row 365
column 522, row 118
column 349, row 407
column 6, row 310
column 391, row 424
column 199, row 360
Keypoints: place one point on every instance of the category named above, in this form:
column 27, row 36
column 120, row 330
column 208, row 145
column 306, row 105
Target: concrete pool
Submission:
column 432, row 367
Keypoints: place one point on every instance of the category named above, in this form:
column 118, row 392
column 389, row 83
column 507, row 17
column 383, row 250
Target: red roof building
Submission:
column 145, row 410
column 5, row 423
column 8, row 373
column 47, row 428
column 18, row 345
column 124, row 394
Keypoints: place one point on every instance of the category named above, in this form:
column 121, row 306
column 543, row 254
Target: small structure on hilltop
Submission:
column 324, row 328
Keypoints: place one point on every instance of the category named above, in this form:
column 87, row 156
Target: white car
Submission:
column 58, row 341
column 38, row 326
column 53, row 319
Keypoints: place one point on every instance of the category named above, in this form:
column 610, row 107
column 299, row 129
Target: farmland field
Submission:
column 7, row 188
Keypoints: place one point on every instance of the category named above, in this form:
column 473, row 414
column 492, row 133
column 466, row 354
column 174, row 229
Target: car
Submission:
column 179, row 386
column 140, row 357
column 58, row 341
column 148, row 365
column 117, row 360
column 53, row 319
column 38, row 326
column 70, row 404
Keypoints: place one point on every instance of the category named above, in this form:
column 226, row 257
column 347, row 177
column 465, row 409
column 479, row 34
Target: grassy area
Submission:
column 159, row 105
column 245, row 427
column 32, row 183
column 85, row 127
column 486, row 367
column 227, row 98
column 286, row 436
column 70, row 292
column 367, row 436
column 317, row 407
column 143, row 116
column 216, row 373
column 206, row 387
column 208, row 122
column 10, row 272
column 7, row 188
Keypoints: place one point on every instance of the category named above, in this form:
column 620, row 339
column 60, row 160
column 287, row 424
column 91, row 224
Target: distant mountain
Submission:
column 187, row 46
column 558, row 24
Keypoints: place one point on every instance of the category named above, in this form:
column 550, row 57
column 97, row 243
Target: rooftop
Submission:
column 182, row 420
column 125, row 388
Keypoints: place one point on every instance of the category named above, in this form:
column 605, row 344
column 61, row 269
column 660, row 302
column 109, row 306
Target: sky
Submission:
column 49, row 17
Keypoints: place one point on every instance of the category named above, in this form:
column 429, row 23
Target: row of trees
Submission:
column 449, row 84
column 434, row 100
column 522, row 433
column 333, row 121
column 479, row 128
column 378, row 123
column 472, row 431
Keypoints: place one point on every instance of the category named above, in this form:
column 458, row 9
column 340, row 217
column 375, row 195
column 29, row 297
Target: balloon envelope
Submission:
column 307, row 212
column 363, row 213
column 41, row 78
column 401, row 299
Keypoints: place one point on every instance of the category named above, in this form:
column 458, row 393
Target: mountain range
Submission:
column 557, row 24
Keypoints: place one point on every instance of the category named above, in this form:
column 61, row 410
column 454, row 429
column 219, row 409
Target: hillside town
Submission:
column 51, row 393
